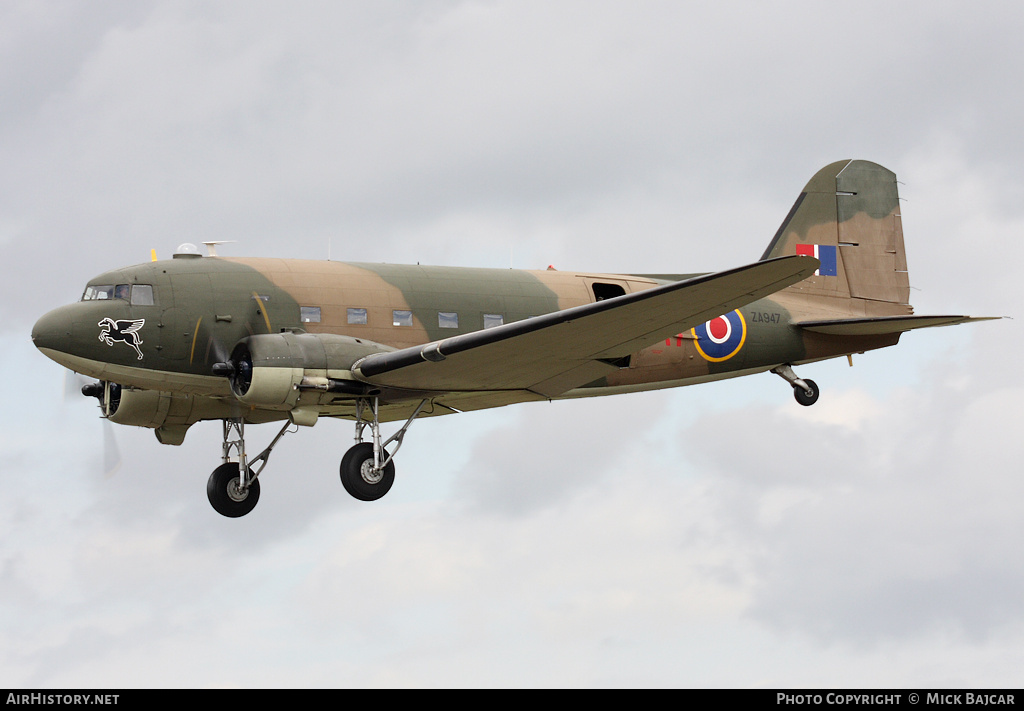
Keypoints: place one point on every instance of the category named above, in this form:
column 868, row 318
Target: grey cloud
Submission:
column 552, row 452
column 896, row 529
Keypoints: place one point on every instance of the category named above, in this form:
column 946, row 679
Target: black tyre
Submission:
column 804, row 398
column 358, row 477
column 226, row 499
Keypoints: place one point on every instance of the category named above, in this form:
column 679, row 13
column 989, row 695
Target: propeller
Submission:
column 237, row 369
column 75, row 386
column 220, row 361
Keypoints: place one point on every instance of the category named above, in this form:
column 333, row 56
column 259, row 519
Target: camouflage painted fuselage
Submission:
column 202, row 306
column 191, row 311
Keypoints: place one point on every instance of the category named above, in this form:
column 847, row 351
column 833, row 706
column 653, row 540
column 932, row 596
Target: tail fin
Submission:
column 848, row 216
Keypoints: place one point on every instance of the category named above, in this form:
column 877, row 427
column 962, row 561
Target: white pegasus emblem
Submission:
column 126, row 332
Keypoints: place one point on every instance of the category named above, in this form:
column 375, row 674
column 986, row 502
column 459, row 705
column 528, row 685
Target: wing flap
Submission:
column 555, row 352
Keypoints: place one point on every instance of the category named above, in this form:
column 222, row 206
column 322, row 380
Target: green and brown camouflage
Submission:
column 203, row 306
column 195, row 338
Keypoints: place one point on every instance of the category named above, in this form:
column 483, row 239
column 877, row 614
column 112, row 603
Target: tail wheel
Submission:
column 359, row 477
column 226, row 495
column 806, row 397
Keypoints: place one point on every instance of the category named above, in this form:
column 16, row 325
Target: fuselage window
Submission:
column 357, row 316
column 401, row 318
column 142, row 295
column 607, row 291
column 492, row 320
column 447, row 319
column 309, row 314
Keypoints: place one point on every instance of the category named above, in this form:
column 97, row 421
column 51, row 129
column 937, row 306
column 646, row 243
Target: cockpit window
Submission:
column 142, row 295
column 137, row 294
column 98, row 293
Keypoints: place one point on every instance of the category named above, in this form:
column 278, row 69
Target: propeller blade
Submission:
column 218, row 351
column 111, row 452
column 75, row 386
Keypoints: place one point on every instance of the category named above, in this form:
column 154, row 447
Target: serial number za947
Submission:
column 765, row 317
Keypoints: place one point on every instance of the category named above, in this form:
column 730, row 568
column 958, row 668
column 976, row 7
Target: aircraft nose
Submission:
column 53, row 330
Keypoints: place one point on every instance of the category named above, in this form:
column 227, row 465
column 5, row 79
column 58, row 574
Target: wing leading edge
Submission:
column 556, row 352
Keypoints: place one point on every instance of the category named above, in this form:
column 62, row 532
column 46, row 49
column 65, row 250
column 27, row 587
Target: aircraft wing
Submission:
column 885, row 325
column 556, row 352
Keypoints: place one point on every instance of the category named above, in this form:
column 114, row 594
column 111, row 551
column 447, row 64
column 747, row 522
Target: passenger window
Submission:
column 492, row 320
column 309, row 314
column 401, row 318
column 357, row 316
column 142, row 295
column 447, row 319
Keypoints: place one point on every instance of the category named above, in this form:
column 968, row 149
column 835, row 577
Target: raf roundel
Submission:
column 721, row 338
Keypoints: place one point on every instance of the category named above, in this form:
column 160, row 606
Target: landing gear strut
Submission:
column 367, row 469
column 804, row 390
column 231, row 494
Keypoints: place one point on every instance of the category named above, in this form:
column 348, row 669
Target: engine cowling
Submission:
column 270, row 370
column 168, row 414
column 141, row 408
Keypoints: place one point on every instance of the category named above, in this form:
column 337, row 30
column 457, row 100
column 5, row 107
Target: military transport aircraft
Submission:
column 248, row 341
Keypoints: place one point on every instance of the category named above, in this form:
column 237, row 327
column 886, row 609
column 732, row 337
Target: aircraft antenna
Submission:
column 212, row 245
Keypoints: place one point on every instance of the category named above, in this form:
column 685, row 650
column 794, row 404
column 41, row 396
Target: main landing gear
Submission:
column 804, row 390
column 367, row 469
column 229, row 493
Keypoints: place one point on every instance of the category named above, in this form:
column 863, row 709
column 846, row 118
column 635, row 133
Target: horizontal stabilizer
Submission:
column 556, row 352
column 884, row 325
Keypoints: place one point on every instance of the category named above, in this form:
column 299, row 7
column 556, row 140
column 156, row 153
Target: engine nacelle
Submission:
column 267, row 370
column 169, row 414
column 141, row 408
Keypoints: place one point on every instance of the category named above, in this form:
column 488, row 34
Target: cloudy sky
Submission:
column 719, row 535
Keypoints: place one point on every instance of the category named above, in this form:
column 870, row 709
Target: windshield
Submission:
column 137, row 294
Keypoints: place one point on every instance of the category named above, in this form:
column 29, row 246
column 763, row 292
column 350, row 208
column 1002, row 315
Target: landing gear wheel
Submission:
column 358, row 476
column 223, row 492
column 803, row 397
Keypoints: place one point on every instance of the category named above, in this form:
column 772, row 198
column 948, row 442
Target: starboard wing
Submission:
column 556, row 352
